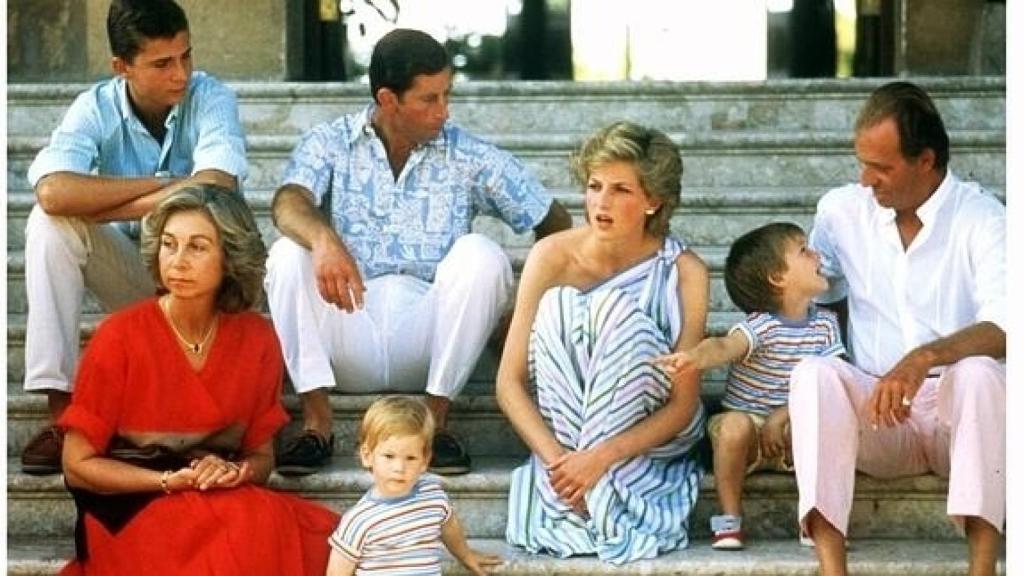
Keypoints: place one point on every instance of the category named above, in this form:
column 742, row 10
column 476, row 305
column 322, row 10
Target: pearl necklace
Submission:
column 193, row 347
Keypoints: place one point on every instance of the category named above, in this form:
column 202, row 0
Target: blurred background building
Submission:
column 584, row 40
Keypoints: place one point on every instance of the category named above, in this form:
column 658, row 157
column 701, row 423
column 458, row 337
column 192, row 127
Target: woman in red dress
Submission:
column 177, row 400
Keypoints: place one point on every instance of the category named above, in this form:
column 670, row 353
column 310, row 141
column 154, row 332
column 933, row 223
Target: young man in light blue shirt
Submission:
column 122, row 146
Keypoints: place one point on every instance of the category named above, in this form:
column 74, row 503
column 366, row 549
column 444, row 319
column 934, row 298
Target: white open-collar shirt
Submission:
column 950, row 277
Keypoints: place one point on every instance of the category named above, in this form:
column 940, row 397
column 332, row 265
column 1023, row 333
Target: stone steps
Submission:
column 476, row 417
column 718, row 323
column 752, row 153
column 782, row 557
column 524, row 107
column 701, row 208
column 905, row 508
column 767, row 159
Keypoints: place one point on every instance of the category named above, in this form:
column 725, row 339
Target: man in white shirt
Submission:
column 920, row 258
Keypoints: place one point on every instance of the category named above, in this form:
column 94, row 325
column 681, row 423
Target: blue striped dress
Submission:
column 589, row 360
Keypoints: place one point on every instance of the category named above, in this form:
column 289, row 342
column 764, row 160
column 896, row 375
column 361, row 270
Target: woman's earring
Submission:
column 650, row 211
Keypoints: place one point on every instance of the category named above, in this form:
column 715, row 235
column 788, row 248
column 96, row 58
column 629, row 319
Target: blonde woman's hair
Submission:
column 659, row 166
column 396, row 416
column 245, row 254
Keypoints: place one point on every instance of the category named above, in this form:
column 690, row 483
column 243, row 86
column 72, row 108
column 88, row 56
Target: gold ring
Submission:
column 906, row 402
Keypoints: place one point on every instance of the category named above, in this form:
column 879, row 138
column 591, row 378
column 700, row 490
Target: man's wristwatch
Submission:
column 164, row 178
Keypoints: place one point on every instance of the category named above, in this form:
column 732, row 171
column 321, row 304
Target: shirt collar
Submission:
column 363, row 127
column 128, row 113
column 926, row 212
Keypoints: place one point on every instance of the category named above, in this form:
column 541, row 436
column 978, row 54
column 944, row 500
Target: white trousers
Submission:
column 409, row 334
column 64, row 257
column 956, row 429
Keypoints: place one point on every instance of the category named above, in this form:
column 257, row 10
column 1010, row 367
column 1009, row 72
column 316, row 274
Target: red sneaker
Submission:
column 727, row 532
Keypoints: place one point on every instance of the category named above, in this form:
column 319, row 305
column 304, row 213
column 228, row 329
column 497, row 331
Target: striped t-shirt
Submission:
column 759, row 382
column 395, row 535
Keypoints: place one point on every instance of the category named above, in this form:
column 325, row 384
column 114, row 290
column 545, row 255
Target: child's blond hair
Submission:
column 396, row 416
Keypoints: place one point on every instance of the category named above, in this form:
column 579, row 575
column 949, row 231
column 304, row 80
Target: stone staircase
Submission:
column 752, row 153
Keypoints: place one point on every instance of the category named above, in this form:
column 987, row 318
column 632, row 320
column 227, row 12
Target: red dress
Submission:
column 135, row 382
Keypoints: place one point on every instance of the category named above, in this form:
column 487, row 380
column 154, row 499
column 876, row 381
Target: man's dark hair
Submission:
column 917, row 120
column 132, row 22
column 400, row 56
column 752, row 259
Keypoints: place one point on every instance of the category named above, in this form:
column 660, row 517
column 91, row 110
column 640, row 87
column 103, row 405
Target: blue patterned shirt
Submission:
column 100, row 134
column 406, row 226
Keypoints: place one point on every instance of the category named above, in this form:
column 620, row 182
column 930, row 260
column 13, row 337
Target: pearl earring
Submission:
column 650, row 211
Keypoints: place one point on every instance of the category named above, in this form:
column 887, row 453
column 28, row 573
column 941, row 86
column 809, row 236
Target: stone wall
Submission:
column 66, row 40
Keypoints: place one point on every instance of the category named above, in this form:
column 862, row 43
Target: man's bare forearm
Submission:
column 297, row 217
column 105, row 198
column 81, row 195
column 142, row 205
column 981, row 339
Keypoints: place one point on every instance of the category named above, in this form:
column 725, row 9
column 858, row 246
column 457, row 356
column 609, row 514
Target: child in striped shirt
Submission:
column 398, row 525
column 772, row 275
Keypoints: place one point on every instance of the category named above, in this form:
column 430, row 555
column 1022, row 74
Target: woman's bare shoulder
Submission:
column 552, row 259
column 689, row 263
column 557, row 247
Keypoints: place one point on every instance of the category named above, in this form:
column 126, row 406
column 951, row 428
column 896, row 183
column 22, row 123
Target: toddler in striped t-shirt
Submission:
column 773, row 276
column 398, row 526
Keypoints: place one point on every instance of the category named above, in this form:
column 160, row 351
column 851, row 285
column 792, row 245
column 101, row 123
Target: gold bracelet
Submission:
column 163, row 481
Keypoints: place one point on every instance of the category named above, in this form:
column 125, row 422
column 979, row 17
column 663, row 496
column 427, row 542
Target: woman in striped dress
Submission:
column 611, row 471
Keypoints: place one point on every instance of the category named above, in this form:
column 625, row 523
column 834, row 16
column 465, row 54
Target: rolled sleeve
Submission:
column 96, row 406
column 312, row 161
column 988, row 258
column 510, row 192
column 752, row 340
column 268, row 414
column 821, row 241
column 75, row 145
column 220, row 144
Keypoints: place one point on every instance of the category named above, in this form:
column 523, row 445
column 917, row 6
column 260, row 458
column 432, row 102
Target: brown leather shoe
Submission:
column 43, row 453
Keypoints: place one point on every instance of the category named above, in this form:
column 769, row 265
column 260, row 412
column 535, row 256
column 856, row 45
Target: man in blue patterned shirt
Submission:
column 394, row 291
column 123, row 145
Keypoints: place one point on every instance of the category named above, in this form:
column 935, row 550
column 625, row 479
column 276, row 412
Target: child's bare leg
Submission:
column 735, row 448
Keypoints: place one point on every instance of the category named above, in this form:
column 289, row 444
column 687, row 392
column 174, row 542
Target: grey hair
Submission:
column 245, row 254
column 656, row 158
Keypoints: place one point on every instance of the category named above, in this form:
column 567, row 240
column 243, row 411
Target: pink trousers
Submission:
column 956, row 429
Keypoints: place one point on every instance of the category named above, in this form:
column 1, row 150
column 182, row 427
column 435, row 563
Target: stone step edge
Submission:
column 829, row 142
column 344, row 478
column 717, row 324
column 783, row 557
column 20, row 202
column 713, row 257
column 790, row 88
column 471, row 404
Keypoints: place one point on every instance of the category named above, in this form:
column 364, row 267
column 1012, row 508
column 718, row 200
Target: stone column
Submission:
column 940, row 36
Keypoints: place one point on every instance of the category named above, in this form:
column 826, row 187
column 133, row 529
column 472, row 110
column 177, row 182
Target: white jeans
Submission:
column 63, row 257
column 410, row 333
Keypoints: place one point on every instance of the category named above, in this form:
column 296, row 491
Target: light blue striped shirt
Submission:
column 100, row 134
column 400, row 536
column 759, row 382
column 406, row 226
